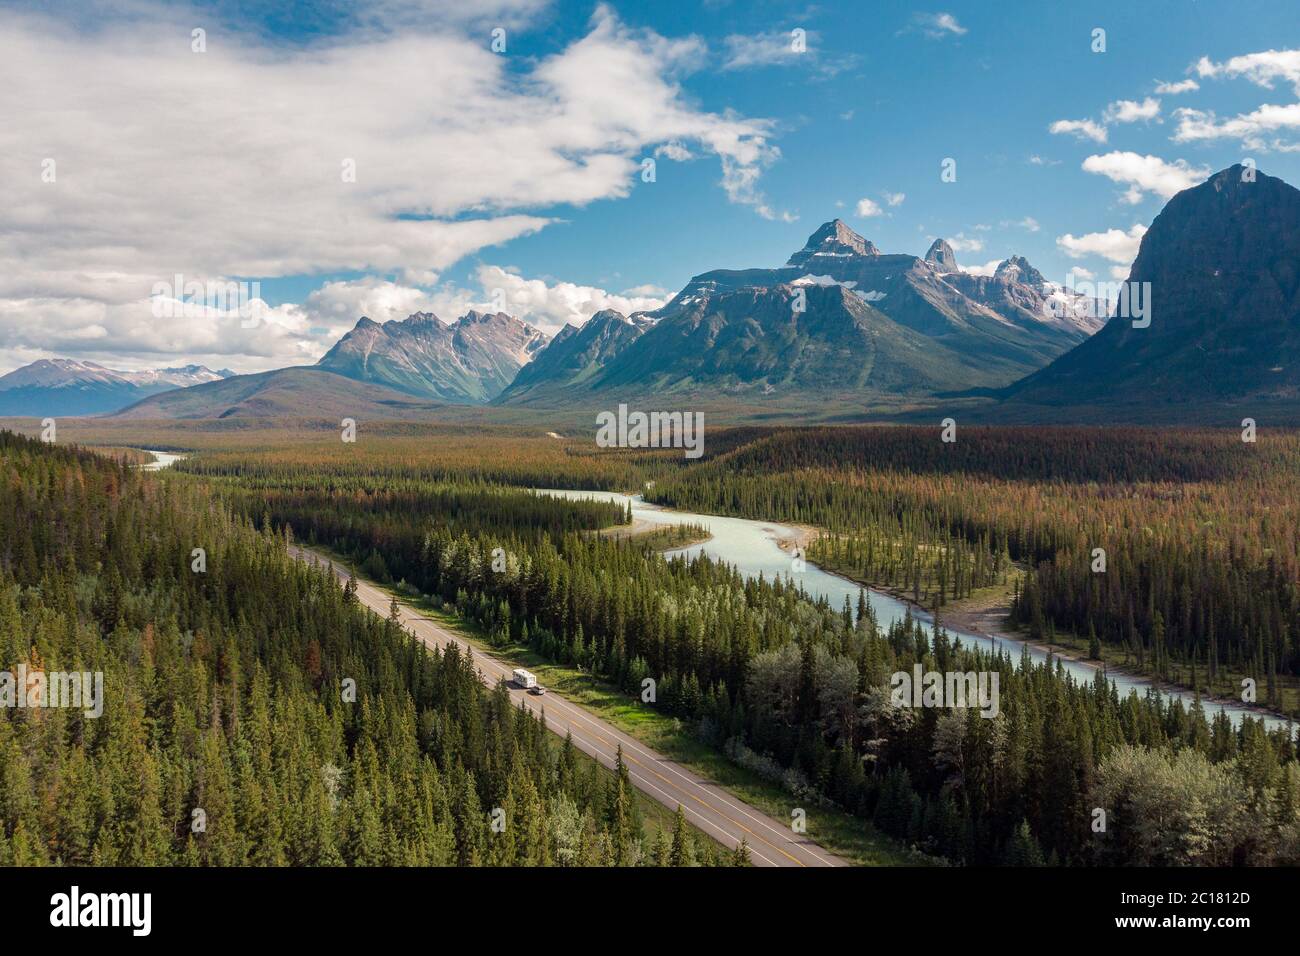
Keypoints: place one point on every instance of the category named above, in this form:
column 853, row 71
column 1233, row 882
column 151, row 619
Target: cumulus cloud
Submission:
column 1173, row 89
column 1256, row 130
column 1130, row 111
column 1083, row 129
column 256, row 337
column 1116, row 245
column 1262, row 69
column 129, row 335
column 868, row 208
column 1145, row 174
column 549, row 306
column 394, row 152
column 987, row 269
column 894, row 199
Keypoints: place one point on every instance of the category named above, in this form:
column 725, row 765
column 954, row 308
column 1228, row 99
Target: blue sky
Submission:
column 520, row 170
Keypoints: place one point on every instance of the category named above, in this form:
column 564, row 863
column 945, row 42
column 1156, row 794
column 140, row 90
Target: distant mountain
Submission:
column 1019, row 293
column 1223, row 263
column 53, row 387
column 301, row 392
column 893, row 325
column 469, row 362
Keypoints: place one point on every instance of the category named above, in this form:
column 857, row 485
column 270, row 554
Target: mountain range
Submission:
column 67, row 387
column 840, row 316
column 840, row 321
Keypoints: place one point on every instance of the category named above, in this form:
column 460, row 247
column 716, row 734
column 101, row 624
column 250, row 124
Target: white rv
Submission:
column 524, row 679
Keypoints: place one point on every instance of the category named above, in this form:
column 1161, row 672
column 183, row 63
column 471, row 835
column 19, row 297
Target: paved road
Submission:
column 706, row 805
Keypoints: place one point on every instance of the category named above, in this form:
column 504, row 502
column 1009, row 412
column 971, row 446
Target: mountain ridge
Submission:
column 469, row 361
column 985, row 332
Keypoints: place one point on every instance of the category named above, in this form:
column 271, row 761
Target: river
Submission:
column 753, row 548
column 162, row 459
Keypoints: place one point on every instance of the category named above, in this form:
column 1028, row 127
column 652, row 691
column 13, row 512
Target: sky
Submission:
column 327, row 160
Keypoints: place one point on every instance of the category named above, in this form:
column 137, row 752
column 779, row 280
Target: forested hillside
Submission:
column 228, row 734
column 797, row 690
column 1200, row 531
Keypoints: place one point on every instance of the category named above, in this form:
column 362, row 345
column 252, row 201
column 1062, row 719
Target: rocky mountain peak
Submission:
column 833, row 239
column 942, row 257
column 1018, row 269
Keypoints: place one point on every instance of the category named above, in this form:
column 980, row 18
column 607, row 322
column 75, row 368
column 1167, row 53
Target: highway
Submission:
column 722, row 816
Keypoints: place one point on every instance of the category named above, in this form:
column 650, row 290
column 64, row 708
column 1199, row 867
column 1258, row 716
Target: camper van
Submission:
column 523, row 679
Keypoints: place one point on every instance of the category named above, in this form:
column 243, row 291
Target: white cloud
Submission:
column 551, row 306
column 1129, row 111
column 744, row 52
column 1145, row 174
column 763, row 49
column 868, row 208
column 960, row 243
column 1029, row 223
column 1262, row 69
column 894, row 199
column 649, row 290
column 338, row 305
column 44, row 326
column 1079, row 272
column 675, row 151
column 232, row 162
column 126, row 334
column 1115, row 245
column 936, row 26
column 1173, row 89
column 1252, row 129
column 1083, row 129
column 987, row 269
